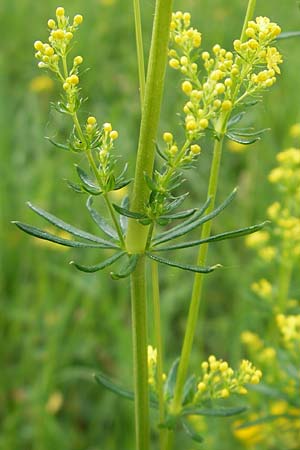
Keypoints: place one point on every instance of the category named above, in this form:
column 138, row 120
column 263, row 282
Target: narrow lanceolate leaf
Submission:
column 214, row 412
column 268, row 418
column 171, row 379
column 160, row 152
column 196, row 216
column 57, row 144
column 191, row 432
column 108, row 262
column 107, row 383
column 235, row 119
column 111, row 386
column 177, row 201
column 189, row 389
column 242, row 140
column 127, row 213
column 127, row 268
column 192, row 224
column 288, row 34
column 188, row 267
column 179, row 215
column 38, row 233
column 124, row 219
column 69, row 228
column 75, row 187
column 102, row 224
column 87, row 183
column 218, row 237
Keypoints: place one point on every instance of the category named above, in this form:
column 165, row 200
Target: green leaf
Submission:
column 191, row 432
column 150, row 183
column 246, row 132
column 171, row 379
column 235, row 119
column 69, row 228
column 122, row 183
column 74, row 186
column 124, row 219
column 179, row 215
column 38, row 233
column 192, row 224
column 126, row 269
column 198, row 214
column 87, row 183
column 107, row 383
column 188, row 267
column 127, row 213
column 213, row 412
column 57, row 144
column 288, row 35
column 189, row 389
column 100, row 266
column 218, row 237
column 113, row 387
column 242, row 140
column 177, row 201
column 268, row 418
column 102, row 224
column 160, row 152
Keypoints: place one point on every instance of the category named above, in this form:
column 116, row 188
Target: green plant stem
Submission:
column 198, row 281
column 137, row 233
column 248, row 16
column 158, row 345
column 140, row 338
column 96, row 173
column 139, row 48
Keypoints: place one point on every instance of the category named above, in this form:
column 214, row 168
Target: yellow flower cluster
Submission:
column 289, row 327
column 61, row 34
column 257, row 349
column 219, row 380
column 229, row 77
column 287, row 173
column 263, row 288
column 152, row 367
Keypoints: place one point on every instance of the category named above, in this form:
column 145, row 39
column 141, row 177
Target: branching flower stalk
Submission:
column 234, row 80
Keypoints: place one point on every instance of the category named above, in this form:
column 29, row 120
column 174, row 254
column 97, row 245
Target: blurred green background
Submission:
column 58, row 326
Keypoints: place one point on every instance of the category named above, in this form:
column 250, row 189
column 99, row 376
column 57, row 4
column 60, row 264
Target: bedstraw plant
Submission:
column 219, row 86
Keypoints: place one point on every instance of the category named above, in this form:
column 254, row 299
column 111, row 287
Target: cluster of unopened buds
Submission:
column 220, row 381
column 61, row 34
column 229, row 77
column 183, row 156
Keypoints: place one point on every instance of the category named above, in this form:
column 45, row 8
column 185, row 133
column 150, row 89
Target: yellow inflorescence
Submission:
column 289, row 326
column 229, row 77
column 220, row 381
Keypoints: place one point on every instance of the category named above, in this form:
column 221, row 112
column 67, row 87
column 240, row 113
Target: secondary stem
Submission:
column 158, row 344
column 198, row 281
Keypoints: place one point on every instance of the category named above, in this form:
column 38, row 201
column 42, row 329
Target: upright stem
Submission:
column 140, row 338
column 139, row 48
column 149, row 123
column 136, row 239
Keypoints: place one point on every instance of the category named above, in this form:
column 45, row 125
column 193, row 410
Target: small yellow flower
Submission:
column 168, row 137
column 114, row 135
column 91, row 120
column 55, row 402
column 60, row 11
column 273, row 58
column 78, row 19
column 107, row 127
